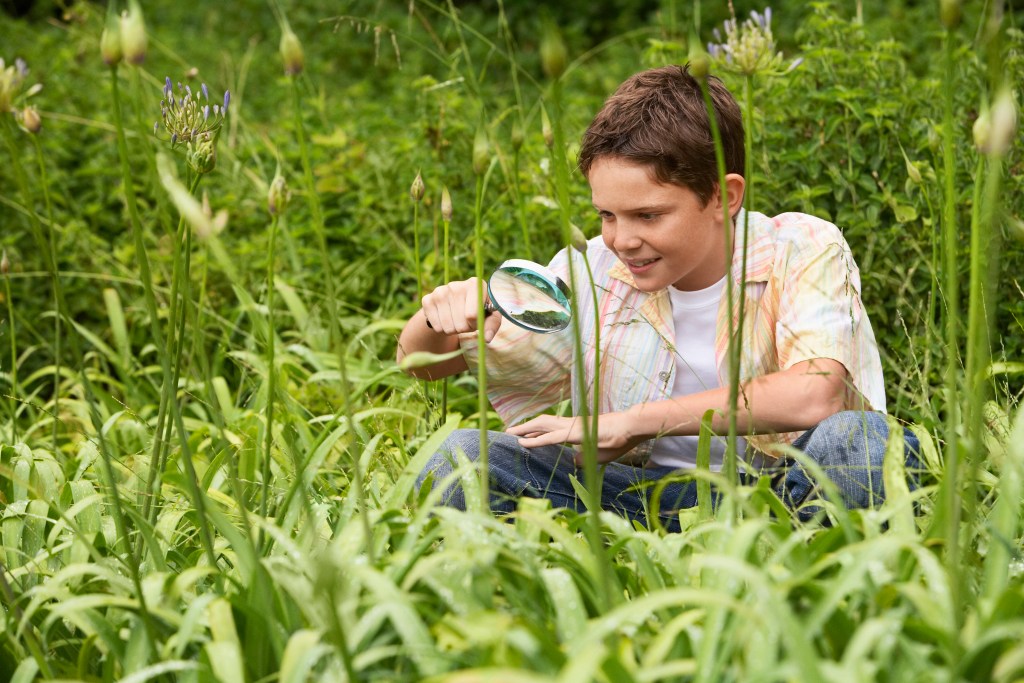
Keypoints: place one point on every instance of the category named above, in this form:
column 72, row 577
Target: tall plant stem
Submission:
column 313, row 200
column 271, row 373
column 168, row 393
column 145, row 274
column 517, row 192
column 13, row 372
column 416, row 247
column 734, row 348
column 481, row 371
column 950, row 499
column 55, row 277
column 933, row 296
column 592, row 473
column 984, row 266
column 447, row 279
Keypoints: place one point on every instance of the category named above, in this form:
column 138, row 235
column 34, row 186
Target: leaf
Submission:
column 292, row 301
column 570, row 612
column 303, row 651
column 225, row 651
column 905, row 213
column 399, row 493
column 894, row 476
column 154, row 670
column 118, row 327
column 422, row 359
column 26, row 671
column 1004, row 368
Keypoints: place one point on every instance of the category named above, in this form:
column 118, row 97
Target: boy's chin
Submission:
column 649, row 286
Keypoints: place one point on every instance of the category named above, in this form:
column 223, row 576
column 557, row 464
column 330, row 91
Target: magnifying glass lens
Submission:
column 531, row 296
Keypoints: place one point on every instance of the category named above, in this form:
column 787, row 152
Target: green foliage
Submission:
column 290, row 543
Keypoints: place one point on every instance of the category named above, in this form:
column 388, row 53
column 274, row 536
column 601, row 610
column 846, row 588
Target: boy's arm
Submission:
column 451, row 310
column 790, row 400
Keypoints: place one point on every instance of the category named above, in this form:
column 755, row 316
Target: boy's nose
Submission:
column 626, row 240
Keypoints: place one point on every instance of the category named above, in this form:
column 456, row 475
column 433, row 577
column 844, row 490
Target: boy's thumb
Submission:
column 491, row 324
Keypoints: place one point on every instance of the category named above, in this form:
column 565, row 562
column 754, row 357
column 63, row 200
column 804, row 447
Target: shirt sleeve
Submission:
column 527, row 372
column 821, row 314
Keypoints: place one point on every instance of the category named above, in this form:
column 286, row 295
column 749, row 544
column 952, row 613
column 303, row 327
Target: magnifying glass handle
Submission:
column 488, row 309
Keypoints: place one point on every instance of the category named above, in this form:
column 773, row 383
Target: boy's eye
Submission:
column 648, row 216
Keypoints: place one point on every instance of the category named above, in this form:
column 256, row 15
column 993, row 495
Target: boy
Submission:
column 810, row 371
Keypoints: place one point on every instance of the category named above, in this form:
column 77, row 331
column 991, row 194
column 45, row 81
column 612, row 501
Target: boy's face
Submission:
column 659, row 231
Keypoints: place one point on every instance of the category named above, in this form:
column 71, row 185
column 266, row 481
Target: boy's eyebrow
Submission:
column 653, row 208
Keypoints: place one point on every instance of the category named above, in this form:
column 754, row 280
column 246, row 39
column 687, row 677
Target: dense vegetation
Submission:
column 207, row 451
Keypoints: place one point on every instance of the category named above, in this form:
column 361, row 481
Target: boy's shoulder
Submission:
column 788, row 242
column 800, row 228
column 795, row 235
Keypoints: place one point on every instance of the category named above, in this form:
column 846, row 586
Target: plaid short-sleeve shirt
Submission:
column 802, row 301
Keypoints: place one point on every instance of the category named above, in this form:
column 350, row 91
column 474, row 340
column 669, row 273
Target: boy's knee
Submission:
column 461, row 442
column 848, row 434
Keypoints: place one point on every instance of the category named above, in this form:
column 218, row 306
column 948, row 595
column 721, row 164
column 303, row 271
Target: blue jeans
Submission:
column 849, row 447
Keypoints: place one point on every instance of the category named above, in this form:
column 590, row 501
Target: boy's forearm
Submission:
column 791, row 400
column 416, row 336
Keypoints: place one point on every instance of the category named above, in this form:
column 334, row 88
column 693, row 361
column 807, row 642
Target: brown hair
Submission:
column 658, row 118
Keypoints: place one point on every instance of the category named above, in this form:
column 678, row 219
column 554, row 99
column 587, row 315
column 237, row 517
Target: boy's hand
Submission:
column 452, row 309
column 613, row 439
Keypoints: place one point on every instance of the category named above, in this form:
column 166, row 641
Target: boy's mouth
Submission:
column 640, row 265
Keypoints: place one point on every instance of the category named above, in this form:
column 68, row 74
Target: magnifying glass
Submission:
column 531, row 296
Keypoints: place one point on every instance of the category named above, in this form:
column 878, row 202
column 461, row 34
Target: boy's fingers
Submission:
column 491, row 325
column 445, row 308
column 547, row 439
column 530, row 427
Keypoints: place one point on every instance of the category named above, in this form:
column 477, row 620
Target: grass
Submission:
column 207, row 454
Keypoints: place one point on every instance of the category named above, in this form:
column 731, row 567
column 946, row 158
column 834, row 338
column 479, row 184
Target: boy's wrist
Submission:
column 635, row 423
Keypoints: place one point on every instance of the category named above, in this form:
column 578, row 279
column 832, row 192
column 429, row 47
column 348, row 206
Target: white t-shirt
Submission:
column 694, row 314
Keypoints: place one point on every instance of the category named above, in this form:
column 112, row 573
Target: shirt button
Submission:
column 664, row 375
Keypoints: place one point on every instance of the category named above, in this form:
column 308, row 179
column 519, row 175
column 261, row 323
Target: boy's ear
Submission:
column 734, row 186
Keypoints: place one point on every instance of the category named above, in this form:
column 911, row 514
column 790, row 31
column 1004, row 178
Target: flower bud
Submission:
column 982, row 131
column 133, row 34
column 446, row 204
column 949, row 13
column 577, row 239
column 110, row 41
column 291, row 52
column 1004, row 123
column 912, row 170
column 30, row 119
column 553, row 55
column 1016, row 227
column 517, row 136
column 203, row 156
column 5, row 264
column 481, row 151
column 417, row 189
column 995, row 127
column 545, row 127
column 700, row 61
column 278, row 195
